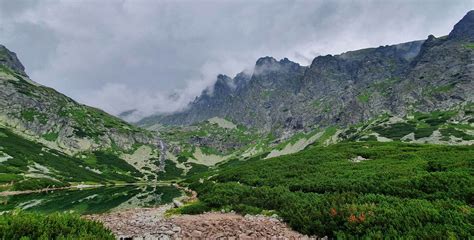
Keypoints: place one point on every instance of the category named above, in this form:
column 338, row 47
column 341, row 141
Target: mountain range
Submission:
column 283, row 97
column 416, row 92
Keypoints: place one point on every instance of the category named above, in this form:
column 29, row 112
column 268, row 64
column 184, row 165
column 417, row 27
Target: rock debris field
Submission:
column 150, row 223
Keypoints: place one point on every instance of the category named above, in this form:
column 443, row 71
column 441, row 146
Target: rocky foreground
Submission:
column 150, row 223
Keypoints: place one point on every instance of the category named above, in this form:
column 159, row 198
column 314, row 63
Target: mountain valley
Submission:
column 372, row 143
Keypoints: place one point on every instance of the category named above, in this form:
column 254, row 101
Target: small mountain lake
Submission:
column 91, row 200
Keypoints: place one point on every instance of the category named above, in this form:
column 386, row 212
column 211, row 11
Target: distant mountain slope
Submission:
column 453, row 127
column 42, row 112
column 47, row 138
column 283, row 97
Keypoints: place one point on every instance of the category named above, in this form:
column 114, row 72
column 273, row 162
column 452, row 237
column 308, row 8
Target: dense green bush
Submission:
column 9, row 177
column 55, row 226
column 171, row 171
column 424, row 132
column 396, row 130
column 454, row 132
column 196, row 168
column 408, row 190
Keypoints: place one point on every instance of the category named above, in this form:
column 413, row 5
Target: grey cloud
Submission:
column 156, row 56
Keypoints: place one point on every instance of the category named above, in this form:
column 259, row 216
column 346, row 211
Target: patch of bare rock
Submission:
column 140, row 223
column 233, row 226
column 150, row 223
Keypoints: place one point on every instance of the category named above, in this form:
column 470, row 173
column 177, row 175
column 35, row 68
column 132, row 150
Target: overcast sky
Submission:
column 156, row 56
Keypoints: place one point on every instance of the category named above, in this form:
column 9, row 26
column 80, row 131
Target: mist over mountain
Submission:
column 180, row 47
column 283, row 96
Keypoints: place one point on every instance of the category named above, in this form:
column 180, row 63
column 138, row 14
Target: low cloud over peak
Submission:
column 156, row 56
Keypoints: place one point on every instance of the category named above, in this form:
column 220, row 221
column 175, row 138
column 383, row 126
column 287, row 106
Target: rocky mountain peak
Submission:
column 223, row 79
column 464, row 29
column 430, row 42
column 10, row 60
column 266, row 65
column 224, row 84
column 242, row 79
column 265, row 61
column 324, row 61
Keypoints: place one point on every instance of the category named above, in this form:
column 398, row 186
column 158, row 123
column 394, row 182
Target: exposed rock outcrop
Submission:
column 341, row 90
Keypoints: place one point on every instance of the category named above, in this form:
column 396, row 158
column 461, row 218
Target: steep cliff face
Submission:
column 284, row 97
column 442, row 75
column 9, row 60
column 464, row 29
column 250, row 99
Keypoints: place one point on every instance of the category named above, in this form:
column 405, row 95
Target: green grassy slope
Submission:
column 48, row 139
column 354, row 190
column 453, row 127
column 211, row 138
column 26, row 164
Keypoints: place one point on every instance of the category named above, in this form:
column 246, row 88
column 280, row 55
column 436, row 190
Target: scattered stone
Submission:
column 151, row 224
column 177, row 203
column 358, row 159
column 196, row 233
